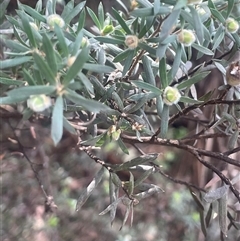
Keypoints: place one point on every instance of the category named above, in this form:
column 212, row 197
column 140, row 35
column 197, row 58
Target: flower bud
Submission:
column 171, row 95
column 39, row 103
column 186, row 37
column 131, row 41
column 55, row 19
column 232, row 25
column 233, row 74
column 107, row 29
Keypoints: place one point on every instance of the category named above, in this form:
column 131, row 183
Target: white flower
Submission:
column 171, row 95
column 39, row 103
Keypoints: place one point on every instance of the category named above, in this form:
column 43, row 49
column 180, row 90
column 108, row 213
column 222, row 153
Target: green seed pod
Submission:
column 232, row 25
column 107, row 29
column 171, row 95
column 55, row 19
column 186, row 37
column 39, row 103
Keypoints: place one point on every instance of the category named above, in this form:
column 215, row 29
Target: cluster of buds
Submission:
column 39, row 103
column 232, row 25
column 55, row 19
column 114, row 132
column 233, row 74
column 186, row 37
column 171, row 95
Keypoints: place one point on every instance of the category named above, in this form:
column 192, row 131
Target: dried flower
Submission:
column 131, row 41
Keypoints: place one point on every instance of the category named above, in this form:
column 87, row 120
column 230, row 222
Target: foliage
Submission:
column 128, row 82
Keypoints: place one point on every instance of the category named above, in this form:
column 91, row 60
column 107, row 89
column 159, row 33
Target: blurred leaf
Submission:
column 44, row 68
column 32, row 12
column 14, row 45
column 218, row 37
column 233, row 139
column 180, row 4
column 8, row 63
column 121, row 22
column 90, row 188
column 98, row 68
column 57, row 121
column 86, row 82
column 68, row 126
column 230, row 7
column 11, row 100
column 222, row 212
column 217, row 15
column 77, row 43
column 77, row 66
column 123, row 55
column 146, row 47
column 128, row 62
column 216, row 194
column 137, row 161
column 61, row 40
column 148, row 70
column 163, row 73
column 167, row 26
column 189, row 100
column 150, row 189
column 50, row 54
column 109, row 40
column 202, row 49
column 87, row 104
column 81, row 20
column 164, row 121
column 209, row 215
column 147, row 86
column 74, row 12
column 7, row 81
column 161, row 50
column 112, row 205
column 3, row 7
column 94, row 18
column 144, row 176
column 68, row 8
column 196, row 78
column 122, row 146
column 28, row 77
column 27, row 91
column 101, row 15
column 176, row 63
column 133, row 108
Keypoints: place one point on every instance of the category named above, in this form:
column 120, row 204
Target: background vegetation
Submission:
column 130, row 112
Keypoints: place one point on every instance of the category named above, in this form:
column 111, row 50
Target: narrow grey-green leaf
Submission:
column 196, row 78
column 202, row 49
column 109, row 40
column 218, row 37
column 189, row 100
column 216, row 194
column 147, row 86
column 9, row 63
column 7, row 81
column 94, row 18
column 14, row 45
column 98, row 68
column 143, row 177
column 122, row 146
column 164, row 121
column 57, row 121
column 222, row 212
column 128, row 62
column 148, row 70
column 90, row 188
column 78, row 64
column 68, row 126
column 61, row 40
column 121, row 22
column 163, row 73
column 28, row 77
column 137, row 161
column 76, row 10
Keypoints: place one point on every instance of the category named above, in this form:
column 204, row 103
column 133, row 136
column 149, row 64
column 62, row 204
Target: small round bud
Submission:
column 39, row 103
column 233, row 74
column 171, row 95
column 107, row 29
column 131, row 41
column 232, row 25
column 186, row 37
column 55, row 19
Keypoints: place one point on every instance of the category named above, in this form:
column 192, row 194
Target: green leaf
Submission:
column 230, row 7
column 163, row 73
column 168, row 24
column 202, row 49
column 14, row 45
column 28, row 30
column 44, row 68
column 98, row 68
column 81, row 20
column 189, row 100
column 128, row 62
column 161, row 50
column 122, row 22
column 123, row 55
column 8, row 100
column 61, row 40
column 75, row 11
column 94, row 18
column 147, row 48
column 77, row 66
column 50, row 54
column 198, row 26
column 77, row 43
column 196, row 78
column 164, row 121
column 3, row 7
column 7, row 81
column 218, row 37
column 28, row 77
column 143, row 12
column 180, row 4
column 137, row 161
column 122, row 145
column 86, row 82
column 9, row 63
column 109, row 40
column 27, row 91
column 176, row 63
column 218, row 15
column 68, row 8
column 101, row 15
column 88, row 104
column 85, row 194
column 147, row 86
column 148, row 70
column 57, row 121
